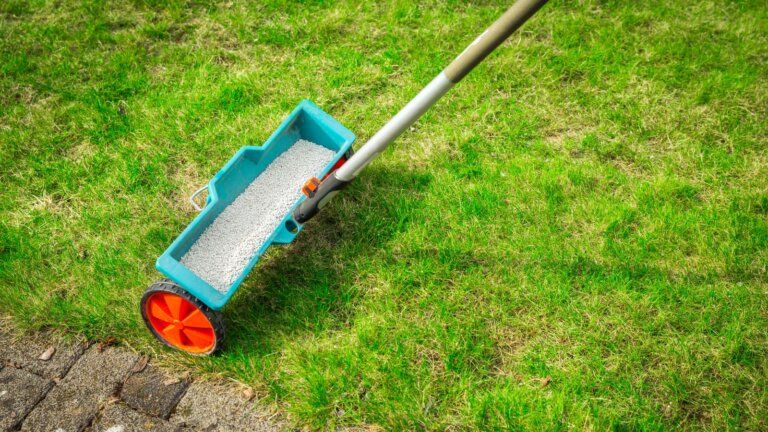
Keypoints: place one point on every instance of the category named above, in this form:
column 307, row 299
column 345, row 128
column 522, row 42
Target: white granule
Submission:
column 225, row 247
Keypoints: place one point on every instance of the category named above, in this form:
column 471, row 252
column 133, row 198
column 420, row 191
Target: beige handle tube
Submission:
column 497, row 33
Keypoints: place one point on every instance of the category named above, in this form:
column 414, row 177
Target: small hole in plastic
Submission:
column 291, row 226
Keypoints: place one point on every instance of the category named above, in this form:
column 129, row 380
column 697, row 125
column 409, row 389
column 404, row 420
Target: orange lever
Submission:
column 310, row 187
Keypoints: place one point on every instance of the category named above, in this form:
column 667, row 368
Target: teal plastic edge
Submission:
column 168, row 265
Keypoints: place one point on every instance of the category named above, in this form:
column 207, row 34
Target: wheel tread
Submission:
column 215, row 317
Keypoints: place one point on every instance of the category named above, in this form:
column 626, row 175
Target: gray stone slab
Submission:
column 121, row 418
column 20, row 391
column 74, row 402
column 24, row 353
column 152, row 392
column 220, row 407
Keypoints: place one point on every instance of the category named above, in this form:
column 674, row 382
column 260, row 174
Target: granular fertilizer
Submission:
column 225, row 247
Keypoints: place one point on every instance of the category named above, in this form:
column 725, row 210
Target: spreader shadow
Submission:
column 304, row 287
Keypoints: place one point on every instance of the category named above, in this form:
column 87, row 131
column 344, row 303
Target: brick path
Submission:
column 84, row 387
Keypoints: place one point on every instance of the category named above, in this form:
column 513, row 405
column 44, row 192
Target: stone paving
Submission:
column 78, row 386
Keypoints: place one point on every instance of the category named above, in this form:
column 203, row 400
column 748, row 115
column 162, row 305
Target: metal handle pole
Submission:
column 475, row 53
column 478, row 50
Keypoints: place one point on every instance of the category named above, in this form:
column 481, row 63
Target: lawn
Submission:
column 576, row 237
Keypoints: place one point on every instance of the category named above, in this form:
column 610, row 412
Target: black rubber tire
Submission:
column 215, row 317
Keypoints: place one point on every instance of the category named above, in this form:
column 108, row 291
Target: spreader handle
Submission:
column 458, row 69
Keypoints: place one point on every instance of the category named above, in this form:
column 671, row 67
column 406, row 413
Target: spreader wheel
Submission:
column 179, row 320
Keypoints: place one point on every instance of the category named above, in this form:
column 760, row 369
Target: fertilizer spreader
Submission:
column 262, row 197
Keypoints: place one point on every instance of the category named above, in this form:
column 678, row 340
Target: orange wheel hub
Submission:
column 180, row 322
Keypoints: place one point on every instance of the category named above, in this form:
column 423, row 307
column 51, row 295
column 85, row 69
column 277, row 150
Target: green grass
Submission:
column 590, row 205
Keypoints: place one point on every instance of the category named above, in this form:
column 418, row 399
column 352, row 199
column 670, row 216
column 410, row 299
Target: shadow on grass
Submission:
column 307, row 287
